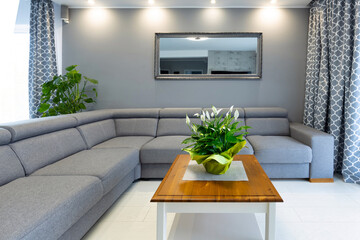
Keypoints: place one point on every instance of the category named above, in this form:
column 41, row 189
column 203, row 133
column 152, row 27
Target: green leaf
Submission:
column 82, row 106
column 89, row 100
column 70, row 68
column 77, row 77
column 52, row 112
column 43, row 107
column 93, row 81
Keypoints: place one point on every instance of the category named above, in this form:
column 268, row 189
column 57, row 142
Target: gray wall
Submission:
column 116, row 46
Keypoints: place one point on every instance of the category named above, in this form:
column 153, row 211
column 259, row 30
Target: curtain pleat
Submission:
column 332, row 92
column 42, row 60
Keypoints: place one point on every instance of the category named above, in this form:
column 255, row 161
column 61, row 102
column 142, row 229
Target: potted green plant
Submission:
column 66, row 94
column 216, row 140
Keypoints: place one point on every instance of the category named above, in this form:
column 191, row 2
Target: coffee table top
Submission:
column 258, row 189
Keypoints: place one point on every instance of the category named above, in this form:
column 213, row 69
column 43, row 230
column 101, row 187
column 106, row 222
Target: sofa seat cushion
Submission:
column 44, row 207
column 248, row 149
column 280, row 149
column 162, row 149
column 127, row 142
column 110, row 165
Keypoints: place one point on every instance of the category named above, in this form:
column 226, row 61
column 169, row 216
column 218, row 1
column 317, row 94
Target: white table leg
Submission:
column 161, row 221
column 270, row 222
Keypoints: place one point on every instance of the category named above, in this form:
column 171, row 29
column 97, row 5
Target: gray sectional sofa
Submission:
column 58, row 175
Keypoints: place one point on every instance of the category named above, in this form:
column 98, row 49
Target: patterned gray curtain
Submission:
column 332, row 92
column 42, row 61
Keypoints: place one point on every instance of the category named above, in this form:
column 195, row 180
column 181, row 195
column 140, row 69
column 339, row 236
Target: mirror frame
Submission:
column 159, row 76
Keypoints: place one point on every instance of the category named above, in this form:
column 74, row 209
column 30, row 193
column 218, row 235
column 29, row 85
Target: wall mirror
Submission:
column 208, row 55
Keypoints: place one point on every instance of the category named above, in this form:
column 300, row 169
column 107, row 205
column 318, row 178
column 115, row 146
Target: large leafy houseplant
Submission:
column 66, row 94
column 216, row 140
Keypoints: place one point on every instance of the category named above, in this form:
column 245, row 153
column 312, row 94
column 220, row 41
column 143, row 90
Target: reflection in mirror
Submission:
column 208, row 56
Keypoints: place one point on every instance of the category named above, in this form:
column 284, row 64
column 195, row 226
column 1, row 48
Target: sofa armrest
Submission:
column 322, row 145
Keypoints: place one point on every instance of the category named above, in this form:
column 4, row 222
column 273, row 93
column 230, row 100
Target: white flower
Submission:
column 231, row 108
column 196, row 115
column 236, row 114
column 207, row 115
column 202, row 117
column 212, row 114
column 218, row 111
column 214, row 109
column 187, row 120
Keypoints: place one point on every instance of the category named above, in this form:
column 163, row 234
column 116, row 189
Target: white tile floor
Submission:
column 311, row 211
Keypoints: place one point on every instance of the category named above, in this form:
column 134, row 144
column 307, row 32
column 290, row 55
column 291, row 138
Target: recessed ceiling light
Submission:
column 151, row 2
column 273, row 1
column 213, row 1
column 197, row 38
column 91, row 2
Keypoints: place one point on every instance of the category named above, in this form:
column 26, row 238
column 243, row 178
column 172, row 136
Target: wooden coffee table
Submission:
column 258, row 195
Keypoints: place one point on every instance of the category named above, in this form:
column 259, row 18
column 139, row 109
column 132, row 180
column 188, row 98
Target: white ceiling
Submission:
column 184, row 3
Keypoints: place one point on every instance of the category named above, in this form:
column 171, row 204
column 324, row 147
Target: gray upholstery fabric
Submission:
column 110, row 165
column 121, row 142
column 156, row 170
column 45, row 207
column 172, row 121
column 178, row 112
column 280, row 149
column 97, row 132
column 322, row 145
column 268, row 126
column 248, row 149
column 40, row 151
column 283, row 170
column 137, row 171
column 92, row 116
column 174, row 126
column 136, row 127
column 162, row 149
column 10, row 166
column 136, row 113
column 268, row 112
column 5, row 136
column 38, row 126
column 78, row 230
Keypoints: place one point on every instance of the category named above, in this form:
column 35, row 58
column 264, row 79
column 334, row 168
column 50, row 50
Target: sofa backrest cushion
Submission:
column 10, row 166
column 93, row 116
column 97, row 132
column 5, row 136
column 39, row 151
column 136, row 122
column 136, row 126
column 136, row 113
column 35, row 127
column 267, row 121
column 172, row 121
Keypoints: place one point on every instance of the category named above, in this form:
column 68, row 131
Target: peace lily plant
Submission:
column 216, row 140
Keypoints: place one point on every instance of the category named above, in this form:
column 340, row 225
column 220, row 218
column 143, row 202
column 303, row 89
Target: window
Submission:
column 14, row 60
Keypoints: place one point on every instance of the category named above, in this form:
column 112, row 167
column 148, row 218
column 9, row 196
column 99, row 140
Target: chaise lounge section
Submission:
column 59, row 175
